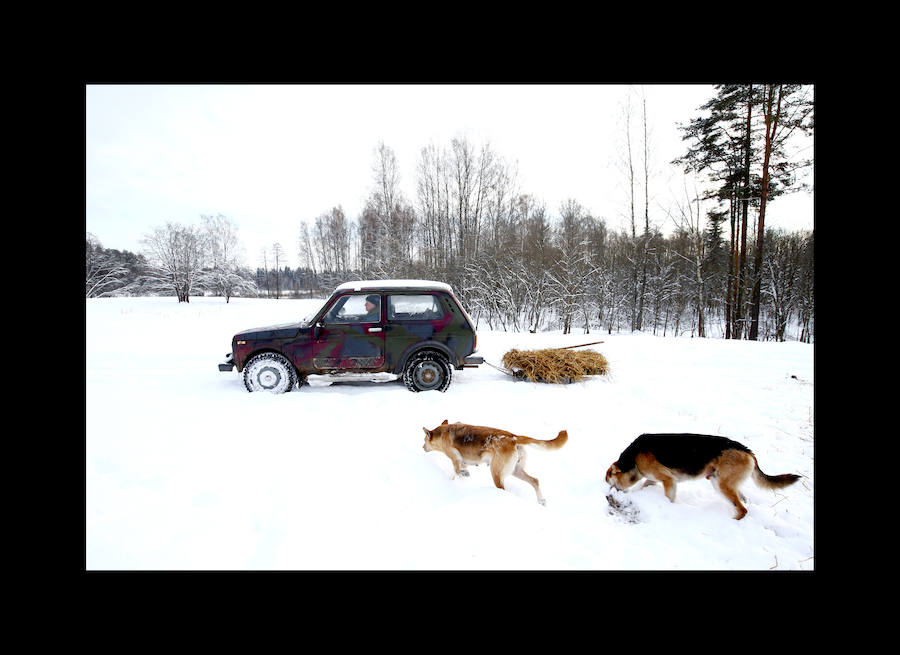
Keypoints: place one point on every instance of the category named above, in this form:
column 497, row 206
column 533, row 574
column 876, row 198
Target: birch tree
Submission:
column 433, row 202
column 688, row 219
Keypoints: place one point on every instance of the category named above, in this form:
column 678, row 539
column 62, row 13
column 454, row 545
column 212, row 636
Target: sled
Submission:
column 553, row 365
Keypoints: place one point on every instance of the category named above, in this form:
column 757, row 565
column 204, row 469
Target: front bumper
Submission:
column 228, row 364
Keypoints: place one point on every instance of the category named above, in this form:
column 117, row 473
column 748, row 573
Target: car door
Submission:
column 412, row 318
column 350, row 335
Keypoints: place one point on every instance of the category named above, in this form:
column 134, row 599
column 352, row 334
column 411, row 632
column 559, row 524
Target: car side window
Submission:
column 356, row 308
column 413, row 308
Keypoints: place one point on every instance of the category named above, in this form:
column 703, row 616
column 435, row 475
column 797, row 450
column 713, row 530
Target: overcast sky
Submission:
column 269, row 157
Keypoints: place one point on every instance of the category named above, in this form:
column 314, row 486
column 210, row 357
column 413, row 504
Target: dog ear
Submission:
column 427, row 432
column 445, row 422
column 610, row 472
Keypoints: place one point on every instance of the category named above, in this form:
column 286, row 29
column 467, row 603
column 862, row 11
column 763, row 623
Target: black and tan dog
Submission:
column 670, row 458
column 474, row 444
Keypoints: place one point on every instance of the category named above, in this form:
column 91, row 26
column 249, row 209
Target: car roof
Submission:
column 377, row 285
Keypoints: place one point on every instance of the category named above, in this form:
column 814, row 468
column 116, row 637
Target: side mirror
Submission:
column 317, row 329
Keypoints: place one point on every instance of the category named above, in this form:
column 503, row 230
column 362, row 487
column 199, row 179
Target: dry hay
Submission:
column 557, row 365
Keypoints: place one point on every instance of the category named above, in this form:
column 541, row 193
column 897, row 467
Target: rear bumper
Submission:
column 228, row 364
column 473, row 361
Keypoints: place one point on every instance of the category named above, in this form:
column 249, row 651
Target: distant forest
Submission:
column 705, row 265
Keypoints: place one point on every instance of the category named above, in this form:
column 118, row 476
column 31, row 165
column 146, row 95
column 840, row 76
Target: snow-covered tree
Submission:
column 224, row 273
column 175, row 256
column 103, row 272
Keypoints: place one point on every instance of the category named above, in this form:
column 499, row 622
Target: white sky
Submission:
column 269, row 157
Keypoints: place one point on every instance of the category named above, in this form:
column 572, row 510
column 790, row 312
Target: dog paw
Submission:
column 463, row 474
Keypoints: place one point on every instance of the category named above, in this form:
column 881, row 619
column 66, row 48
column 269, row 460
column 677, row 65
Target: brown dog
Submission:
column 670, row 458
column 474, row 444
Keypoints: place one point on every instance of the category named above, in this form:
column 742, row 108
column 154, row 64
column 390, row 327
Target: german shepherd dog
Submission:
column 670, row 458
column 474, row 444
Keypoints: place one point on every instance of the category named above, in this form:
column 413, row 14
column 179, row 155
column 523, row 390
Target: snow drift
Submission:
column 186, row 470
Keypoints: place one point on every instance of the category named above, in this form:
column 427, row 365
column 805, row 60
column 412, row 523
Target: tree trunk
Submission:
column 737, row 328
column 771, row 126
column 646, row 239
column 732, row 268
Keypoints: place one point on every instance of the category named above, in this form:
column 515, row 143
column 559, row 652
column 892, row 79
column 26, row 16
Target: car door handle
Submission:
column 373, row 329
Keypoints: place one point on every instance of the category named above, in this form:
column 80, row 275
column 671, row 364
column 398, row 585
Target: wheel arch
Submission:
column 267, row 349
column 425, row 347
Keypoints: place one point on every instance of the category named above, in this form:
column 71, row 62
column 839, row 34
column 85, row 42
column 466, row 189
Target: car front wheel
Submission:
column 270, row 372
column 427, row 372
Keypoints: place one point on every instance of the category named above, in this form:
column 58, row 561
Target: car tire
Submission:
column 428, row 371
column 270, row 372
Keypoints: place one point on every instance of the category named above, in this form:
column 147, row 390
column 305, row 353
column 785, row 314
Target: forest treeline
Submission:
column 704, row 264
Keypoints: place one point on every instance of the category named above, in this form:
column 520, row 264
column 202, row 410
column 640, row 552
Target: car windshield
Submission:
column 306, row 318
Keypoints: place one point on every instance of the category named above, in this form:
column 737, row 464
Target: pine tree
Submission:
column 720, row 144
column 786, row 110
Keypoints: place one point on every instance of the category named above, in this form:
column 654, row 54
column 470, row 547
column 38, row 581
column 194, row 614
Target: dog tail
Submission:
column 552, row 444
column 772, row 481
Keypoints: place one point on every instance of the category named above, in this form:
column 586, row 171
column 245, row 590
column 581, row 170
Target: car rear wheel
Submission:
column 270, row 372
column 427, row 372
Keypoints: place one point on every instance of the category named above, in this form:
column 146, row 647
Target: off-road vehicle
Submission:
column 379, row 330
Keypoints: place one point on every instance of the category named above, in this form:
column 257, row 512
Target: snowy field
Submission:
column 186, row 470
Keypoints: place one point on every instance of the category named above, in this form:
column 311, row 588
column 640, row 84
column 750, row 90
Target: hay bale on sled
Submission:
column 555, row 365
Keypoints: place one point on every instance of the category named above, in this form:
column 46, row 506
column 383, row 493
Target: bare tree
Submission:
column 175, row 255
column 627, row 164
column 533, row 245
column 806, row 294
column 784, row 277
column 103, row 272
column 462, row 171
column 431, row 202
column 278, row 254
column 647, row 236
column 264, row 255
column 689, row 222
column 305, row 249
column 571, row 272
column 383, row 204
column 224, row 252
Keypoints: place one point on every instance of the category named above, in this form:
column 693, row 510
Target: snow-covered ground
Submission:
column 186, row 470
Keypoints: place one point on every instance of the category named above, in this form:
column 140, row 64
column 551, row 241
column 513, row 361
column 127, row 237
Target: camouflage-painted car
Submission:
column 377, row 330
